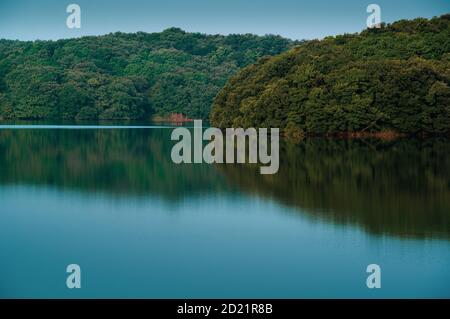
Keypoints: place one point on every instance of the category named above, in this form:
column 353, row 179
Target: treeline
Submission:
column 395, row 79
column 123, row 76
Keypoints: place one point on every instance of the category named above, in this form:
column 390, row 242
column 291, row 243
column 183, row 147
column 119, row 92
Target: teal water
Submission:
column 140, row 226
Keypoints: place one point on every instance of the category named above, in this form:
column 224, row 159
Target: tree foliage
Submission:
column 123, row 76
column 393, row 78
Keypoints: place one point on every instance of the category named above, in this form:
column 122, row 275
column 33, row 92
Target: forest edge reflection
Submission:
column 390, row 187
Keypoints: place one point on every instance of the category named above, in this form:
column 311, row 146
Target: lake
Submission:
column 110, row 199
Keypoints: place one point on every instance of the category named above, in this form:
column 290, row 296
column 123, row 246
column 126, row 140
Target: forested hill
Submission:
column 123, row 76
column 394, row 79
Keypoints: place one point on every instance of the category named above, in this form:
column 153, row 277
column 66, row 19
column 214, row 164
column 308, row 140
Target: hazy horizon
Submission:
column 27, row 20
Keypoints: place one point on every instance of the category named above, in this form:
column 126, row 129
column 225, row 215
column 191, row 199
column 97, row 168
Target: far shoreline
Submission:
column 176, row 120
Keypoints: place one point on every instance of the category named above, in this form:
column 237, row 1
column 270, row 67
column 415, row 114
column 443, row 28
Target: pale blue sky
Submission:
column 297, row 19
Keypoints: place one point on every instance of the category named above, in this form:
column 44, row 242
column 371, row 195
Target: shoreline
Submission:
column 177, row 118
column 288, row 135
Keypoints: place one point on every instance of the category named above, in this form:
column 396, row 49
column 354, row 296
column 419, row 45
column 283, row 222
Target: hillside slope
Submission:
column 123, row 76
column 396, row 79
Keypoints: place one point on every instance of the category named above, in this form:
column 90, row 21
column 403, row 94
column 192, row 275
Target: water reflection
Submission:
column 399, row 188
column 122, row 162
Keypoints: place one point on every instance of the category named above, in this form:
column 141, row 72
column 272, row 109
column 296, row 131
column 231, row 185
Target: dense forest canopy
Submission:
column 124, row 76
column 395, row 78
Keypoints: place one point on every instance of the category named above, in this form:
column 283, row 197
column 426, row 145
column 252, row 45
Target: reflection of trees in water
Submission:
column 121, row 161
column 399, row 187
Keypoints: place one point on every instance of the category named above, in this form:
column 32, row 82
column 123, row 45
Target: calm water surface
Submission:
column 111, row 200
